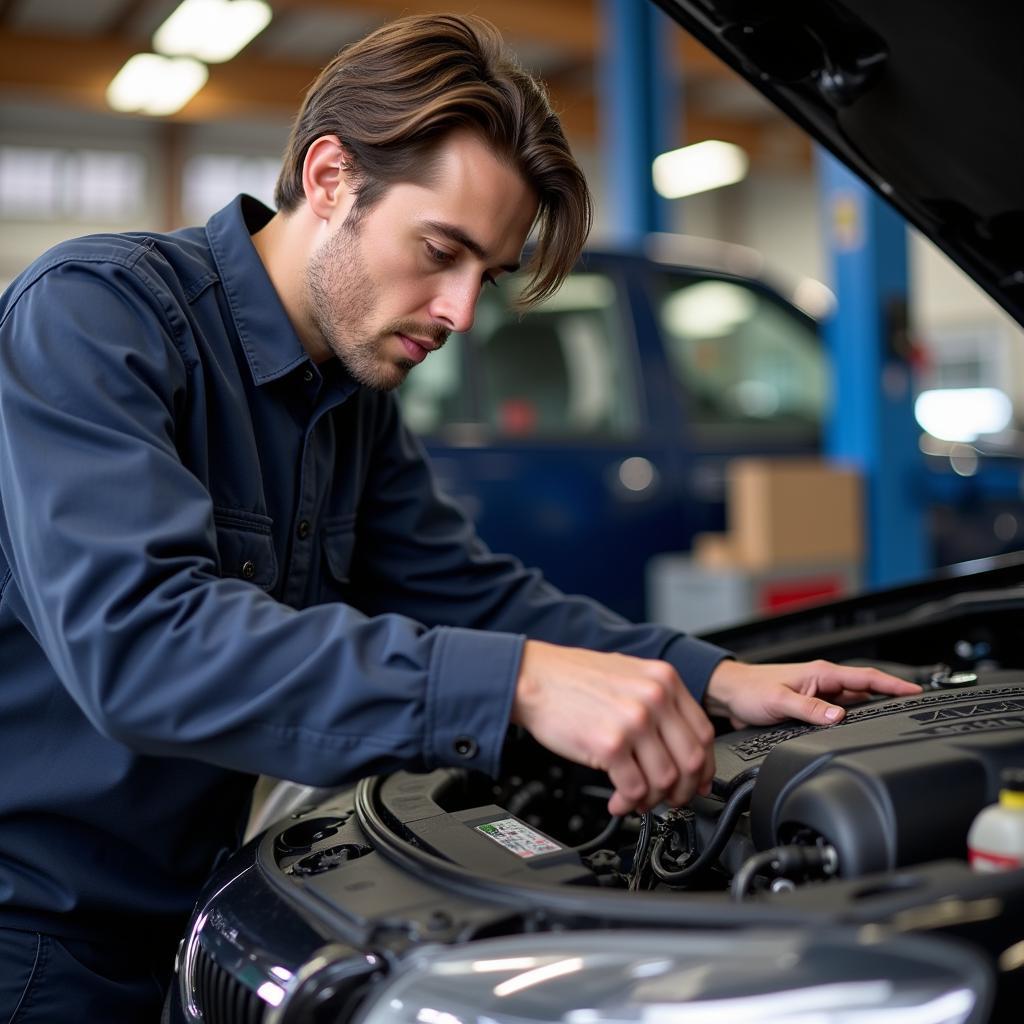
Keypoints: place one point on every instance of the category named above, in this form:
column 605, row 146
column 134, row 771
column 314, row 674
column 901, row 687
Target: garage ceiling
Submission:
column 67, row 51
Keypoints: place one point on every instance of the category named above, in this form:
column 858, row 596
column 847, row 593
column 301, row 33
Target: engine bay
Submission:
column 859, row 826
column 896, row 784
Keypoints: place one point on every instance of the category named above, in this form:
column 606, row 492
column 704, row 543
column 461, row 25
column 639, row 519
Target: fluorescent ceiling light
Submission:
column 211, row 30
column 151, row 84
column 698, row 168
column 962, row 414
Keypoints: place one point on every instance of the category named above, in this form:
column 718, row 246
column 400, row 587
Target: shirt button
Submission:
column 465, row 746
column 303, row 529
column 307, row 376
column 248, row 570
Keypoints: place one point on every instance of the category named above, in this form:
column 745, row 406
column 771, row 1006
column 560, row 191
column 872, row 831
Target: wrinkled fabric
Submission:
column 218, row 559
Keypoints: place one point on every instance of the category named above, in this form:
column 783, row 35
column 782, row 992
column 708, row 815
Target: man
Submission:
column 222, row 554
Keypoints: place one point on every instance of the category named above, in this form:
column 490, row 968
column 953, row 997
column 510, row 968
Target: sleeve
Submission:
column 111, row 546
column 422, row 557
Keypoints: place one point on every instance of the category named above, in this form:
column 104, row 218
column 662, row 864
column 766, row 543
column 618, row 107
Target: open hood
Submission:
column 923, row 100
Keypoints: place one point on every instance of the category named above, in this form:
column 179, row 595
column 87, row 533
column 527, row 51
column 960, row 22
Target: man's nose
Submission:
column 455, row 305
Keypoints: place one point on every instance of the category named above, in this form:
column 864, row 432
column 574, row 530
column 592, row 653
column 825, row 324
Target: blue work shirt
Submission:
column 219, row 559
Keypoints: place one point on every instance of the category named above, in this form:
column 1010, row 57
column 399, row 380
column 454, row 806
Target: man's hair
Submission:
column 395, row 95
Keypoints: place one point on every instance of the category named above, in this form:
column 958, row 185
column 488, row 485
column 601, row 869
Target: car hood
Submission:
column 921, row 100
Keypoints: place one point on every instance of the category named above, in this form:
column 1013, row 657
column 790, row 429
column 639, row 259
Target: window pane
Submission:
column 89, row 184
column 29, row 181
column 212, row 180
column 742, row 358
column 563, row 369
column 103, row 184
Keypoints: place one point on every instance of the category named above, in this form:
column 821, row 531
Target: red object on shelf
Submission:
column 775, row 595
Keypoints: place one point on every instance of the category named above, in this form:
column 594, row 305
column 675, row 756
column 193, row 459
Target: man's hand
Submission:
column 631, row 717
column 765, row 694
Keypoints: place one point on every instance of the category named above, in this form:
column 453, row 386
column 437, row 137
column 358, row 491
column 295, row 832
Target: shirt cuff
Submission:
column 470, row 689
column 694, row 660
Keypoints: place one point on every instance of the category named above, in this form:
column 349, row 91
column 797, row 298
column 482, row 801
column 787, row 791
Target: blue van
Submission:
column 592, row 433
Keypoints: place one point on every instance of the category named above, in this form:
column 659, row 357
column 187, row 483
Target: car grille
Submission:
column 222, row 998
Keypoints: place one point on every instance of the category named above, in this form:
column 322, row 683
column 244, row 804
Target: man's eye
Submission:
column 490, row 280
column 438, row 255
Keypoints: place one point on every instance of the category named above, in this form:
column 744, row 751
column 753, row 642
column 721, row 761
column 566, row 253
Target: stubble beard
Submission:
column 342, row 299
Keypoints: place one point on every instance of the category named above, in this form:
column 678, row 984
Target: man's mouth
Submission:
column 417, row 349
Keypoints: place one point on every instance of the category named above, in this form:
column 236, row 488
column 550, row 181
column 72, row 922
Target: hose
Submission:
column 724, row 827
column 601, row 838
column 783, row 860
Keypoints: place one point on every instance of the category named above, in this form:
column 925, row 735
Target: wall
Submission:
column 776, row 214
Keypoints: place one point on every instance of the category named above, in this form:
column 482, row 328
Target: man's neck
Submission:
column 283, row 247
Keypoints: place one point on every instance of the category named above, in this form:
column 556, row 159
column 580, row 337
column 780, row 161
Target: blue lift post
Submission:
column 640, row 114
column 872, row 424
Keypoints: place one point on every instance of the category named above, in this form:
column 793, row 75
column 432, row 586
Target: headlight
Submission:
column 612, row 977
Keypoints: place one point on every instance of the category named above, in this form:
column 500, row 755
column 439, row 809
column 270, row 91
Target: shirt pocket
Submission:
column 339, row 540
column 245, row 543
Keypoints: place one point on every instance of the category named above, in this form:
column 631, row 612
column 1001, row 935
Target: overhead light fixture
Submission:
column 699, row 168
column 151, row 84
column 963, row 414
column 211, row 30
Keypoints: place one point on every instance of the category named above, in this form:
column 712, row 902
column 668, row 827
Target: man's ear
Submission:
column 327, row 178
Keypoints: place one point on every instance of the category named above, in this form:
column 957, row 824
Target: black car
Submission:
column 825, row 877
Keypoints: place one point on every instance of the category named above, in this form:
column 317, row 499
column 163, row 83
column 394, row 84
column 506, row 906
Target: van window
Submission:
column 741, row 357
column 562, row 370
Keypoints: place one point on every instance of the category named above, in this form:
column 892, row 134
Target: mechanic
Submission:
column 224, row 555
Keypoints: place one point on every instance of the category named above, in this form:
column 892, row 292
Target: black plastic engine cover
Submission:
column 898, row 782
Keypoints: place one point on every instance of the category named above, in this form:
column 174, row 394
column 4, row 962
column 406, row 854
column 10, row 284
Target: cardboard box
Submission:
column 793, row 512
column 714, row 551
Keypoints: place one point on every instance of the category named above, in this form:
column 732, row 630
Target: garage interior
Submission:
column 760, row 398
column 628, row 86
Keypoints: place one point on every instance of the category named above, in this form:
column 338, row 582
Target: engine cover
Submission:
column 898, row 782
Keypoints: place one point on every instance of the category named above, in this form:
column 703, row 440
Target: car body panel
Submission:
column 921, row 100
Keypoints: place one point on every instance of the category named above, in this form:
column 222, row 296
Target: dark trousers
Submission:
column 46, row 980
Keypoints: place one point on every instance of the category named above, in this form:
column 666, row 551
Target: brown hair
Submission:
column 393, row 97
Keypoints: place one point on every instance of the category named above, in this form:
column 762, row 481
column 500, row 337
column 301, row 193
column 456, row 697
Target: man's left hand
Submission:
column 810, row 691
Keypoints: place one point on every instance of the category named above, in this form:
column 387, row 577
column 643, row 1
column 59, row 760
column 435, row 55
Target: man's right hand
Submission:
column 631, row 717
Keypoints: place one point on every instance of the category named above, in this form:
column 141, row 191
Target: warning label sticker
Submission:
column 517, row 837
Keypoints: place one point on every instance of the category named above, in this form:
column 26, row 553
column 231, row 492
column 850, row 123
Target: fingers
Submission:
column 804, row 708
column 850, row 686
column 630, row 786
column 835, row 679
column 665, row 746
column 630, row 716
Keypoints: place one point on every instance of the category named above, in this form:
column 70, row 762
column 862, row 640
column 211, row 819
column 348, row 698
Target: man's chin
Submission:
column 383, row 376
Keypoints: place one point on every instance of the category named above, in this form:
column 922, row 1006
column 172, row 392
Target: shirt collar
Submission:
column 264, row 330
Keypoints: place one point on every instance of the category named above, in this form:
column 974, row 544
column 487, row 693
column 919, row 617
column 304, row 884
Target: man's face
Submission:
column 386, row 290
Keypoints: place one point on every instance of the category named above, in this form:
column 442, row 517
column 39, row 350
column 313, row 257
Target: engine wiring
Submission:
column 640, row 856
column 724, row 826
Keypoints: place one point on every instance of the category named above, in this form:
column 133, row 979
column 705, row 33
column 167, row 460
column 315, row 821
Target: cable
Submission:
column 640, row 855
column 724, row 827
column 784, row 860
column 599, row 840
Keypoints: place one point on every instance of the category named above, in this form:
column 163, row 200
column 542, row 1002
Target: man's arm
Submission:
column 110, row 542
column 597, row 689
